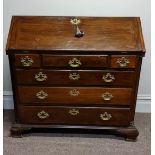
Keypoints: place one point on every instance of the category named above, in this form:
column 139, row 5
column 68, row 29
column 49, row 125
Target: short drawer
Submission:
column 73, row 115
column 27, row 60
column 123, row 61
column 74, row 95
column 74, row 77
column 75, row 61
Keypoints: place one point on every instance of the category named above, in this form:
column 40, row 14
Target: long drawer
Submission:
column 73, row 115
column 75, row 61
column 80, row 77
column 78, row 95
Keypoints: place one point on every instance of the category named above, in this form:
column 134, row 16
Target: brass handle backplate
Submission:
column 74, row 63
column 40, row 77
column 107, row 96
column 108, row 78
column 74, row 76
column 41, row 95
column 73, row 112
column 122, row 62
column 42, row 114
column 105, row 116
column 26, row 61
column 74, row 92
column 78, row 32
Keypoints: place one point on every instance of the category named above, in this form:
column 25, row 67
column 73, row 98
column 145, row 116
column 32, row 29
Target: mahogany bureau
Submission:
column 75, row 72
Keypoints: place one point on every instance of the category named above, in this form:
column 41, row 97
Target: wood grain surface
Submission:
column 57, row 33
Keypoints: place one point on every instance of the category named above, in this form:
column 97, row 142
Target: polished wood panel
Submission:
column 132, row 61
column 84, row 77
column 68, row 61
column 34, row 57
column 57, row 33
column 82, row 116
column 75, row 95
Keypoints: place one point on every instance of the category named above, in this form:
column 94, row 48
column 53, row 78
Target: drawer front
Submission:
column 123, row 61
column 73, row 115
column 75, row 61
column 27, row 60
column 61, row 77
column 78, row 95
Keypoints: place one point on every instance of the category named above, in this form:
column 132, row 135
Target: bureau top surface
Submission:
column 58, row 33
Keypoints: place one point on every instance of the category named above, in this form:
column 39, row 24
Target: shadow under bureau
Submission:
column 75, row 72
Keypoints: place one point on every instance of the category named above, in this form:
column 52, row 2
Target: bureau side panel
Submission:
column 138, row 70
column 14, row 84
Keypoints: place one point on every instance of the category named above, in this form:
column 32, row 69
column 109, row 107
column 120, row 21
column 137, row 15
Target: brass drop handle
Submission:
column 105, row 116
column 41, row 95
column 74, row 92
column 108, row 78
column 74, row 76
column 107, row 96
column 42, row 114
column 40, row 77
column 78, row 32
column 74, row 63
column 26, row 61
column 73, row 112
column 122, row 62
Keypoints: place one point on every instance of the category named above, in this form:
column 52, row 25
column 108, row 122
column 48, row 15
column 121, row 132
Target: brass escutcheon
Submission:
column 74, row 62
column 26, row 61
column 74, row 76
column 75, row 22
column 74, row 112
column 40, row 77
column 108, row 78
column 41, row 95
column 74, row 92
column 107, row 96
column 42, row 114
column 122, row 62
column 105, row 116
